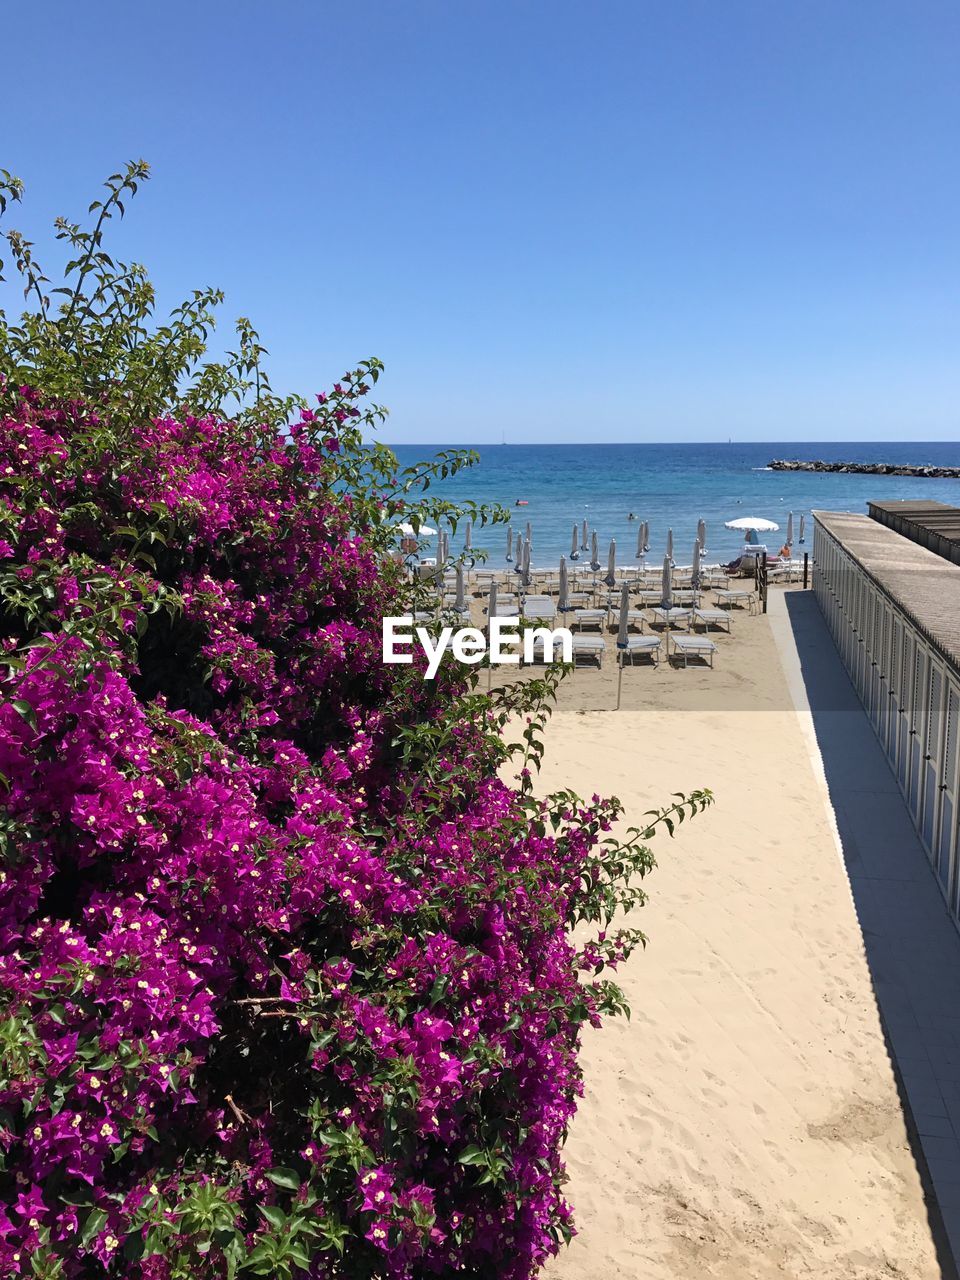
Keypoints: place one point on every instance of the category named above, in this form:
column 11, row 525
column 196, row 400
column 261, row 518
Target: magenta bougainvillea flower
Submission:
column 288, row 983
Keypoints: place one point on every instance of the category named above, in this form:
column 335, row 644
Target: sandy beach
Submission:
column 745, row 1122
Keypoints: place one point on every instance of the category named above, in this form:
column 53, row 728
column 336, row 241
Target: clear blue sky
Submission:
column 610, row 219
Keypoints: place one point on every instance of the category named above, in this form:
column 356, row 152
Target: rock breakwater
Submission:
column 868, row 468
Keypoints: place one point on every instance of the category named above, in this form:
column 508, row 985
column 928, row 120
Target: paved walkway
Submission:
column 912, row 945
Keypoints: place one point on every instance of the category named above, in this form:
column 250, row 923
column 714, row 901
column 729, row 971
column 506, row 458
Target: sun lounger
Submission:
column 738, row 598
column 589, row 618
column 698, row 646
column 648, row 646
column 540, row 610
column 540, row 655
column 669, row 617
column 589, row 649
column 712, row 617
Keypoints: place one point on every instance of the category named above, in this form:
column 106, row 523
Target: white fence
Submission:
column 910, row 692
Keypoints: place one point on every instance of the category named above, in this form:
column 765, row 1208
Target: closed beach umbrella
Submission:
column 441, row 554
column 575, row 544
column 594, row 552
column 801, row 528
column 666, row 585
column 509, row 545
column 695, row 572
column 789, row 538
column 611, row 578
column 529, row 531
column 468, row 536
column 562, row 594
column 670, row 543
column 525, row 571
column 461, row 601
column 491, row 613
column 622, row 634
column 584, row 544
column 646, row 535
column 702, row 534
column 640, row 532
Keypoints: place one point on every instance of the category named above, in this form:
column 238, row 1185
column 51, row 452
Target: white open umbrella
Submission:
column 409, row 531
column 584, row 544
column 695, row 571
column 666, row 585
column 670, row 543
column 611, row 575
column 801, row 528
column 622, row 635
column 594, row 552
column 754, row 524
column 468, row 536
column 509, row 545
column 562, row 594
column 575, row 544
column 789, row 538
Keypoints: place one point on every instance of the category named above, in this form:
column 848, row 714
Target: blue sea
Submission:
column 671, row 486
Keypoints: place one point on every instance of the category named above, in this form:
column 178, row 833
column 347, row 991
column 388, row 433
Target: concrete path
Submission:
column 912, row 945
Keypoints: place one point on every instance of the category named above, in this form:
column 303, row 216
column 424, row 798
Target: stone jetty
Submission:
column 867, row 468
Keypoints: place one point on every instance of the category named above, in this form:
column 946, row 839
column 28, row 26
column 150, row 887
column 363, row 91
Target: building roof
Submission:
column 921, row 583
column 933, row 524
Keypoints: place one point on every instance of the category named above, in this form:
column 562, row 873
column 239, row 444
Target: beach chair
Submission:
column 697, row 646
column 588, row 649
column 712, row 618
column 539, row 655
column 737, row 598
column 589, row 618
column 640, row 646
column 671, row 617
column 539, row 607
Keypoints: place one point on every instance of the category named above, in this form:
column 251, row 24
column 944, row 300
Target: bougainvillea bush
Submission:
column 289, row 984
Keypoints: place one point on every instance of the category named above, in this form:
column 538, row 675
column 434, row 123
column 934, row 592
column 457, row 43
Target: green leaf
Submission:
column 472, row 1155
column 286, row 1178
column 96, row 1221
column 25, row 709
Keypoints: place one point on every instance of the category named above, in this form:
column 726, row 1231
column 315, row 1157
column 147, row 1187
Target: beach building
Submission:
column 888, row 584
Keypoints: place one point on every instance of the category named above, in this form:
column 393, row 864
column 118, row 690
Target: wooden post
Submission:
column 760, row 578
